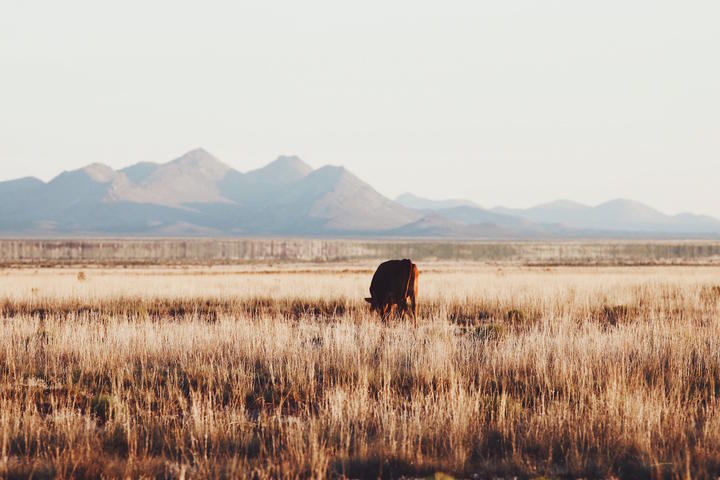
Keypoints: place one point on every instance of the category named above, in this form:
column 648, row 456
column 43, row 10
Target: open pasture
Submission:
column 268, row 371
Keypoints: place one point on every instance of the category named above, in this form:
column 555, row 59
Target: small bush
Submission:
column 490, row 331
column 100, row 407
column 516, row 316
column 710, row 293
column 615, row 314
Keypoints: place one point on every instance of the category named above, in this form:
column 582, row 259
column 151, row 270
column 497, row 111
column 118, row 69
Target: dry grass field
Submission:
column 280, row 371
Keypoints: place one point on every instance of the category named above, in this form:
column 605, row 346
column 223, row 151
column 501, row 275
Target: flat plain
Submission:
column 279, row 370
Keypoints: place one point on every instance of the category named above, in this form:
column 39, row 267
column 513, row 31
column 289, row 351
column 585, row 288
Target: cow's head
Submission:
column 372, row 303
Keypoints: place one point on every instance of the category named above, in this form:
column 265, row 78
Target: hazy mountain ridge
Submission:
column 411, row 200
column 197, row 194
column 617, row 215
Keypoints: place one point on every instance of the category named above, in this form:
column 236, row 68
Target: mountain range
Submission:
column 198, row 195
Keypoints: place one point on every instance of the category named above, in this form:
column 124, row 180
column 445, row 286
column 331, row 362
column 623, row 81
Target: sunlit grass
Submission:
column 510, row 371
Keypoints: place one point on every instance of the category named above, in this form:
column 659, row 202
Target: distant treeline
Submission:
column 230, row 251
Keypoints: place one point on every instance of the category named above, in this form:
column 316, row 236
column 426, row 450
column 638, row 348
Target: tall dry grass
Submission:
column 176, row 373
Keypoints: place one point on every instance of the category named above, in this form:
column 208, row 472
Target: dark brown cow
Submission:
column 395, row 283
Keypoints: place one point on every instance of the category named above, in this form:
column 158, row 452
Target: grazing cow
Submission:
column 395, row 283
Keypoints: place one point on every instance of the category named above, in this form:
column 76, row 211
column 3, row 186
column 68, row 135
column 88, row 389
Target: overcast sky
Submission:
column 502, row 102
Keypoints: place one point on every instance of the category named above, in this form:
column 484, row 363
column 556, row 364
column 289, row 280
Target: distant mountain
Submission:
column 438, row 226
column 419, row 203
column 475, row 222
column 19, row 186
column 139, row 172
column 618, row 215
column 329, row 200
column 197, row 194
column 284, row 170
column 345, row 202
column 547, row 212
column 191, row 178
column 476, row 215
column 14, row 195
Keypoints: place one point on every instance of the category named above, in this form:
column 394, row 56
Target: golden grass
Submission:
column 281, row 372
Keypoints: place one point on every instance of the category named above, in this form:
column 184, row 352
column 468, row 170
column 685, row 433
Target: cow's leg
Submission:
column 386, row 311
column 396, row 311
column 404, row 308
column 409, row 308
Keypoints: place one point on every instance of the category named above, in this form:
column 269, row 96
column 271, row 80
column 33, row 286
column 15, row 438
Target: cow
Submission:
column 394, row 284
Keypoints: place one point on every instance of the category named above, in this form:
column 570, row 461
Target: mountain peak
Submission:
column 333, row 173
column 191, row 178
column 291, row 161
column 24, row 181
column 346, row 203
column 282, row 170
column 623, row 209
column 100, row 172
column 623, row 202
column 201, row 158
column 198, row 152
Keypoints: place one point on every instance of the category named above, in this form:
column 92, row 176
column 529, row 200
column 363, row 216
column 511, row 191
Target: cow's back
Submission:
column 391, row 280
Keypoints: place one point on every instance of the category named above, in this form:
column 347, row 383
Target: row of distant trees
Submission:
column 224, row 251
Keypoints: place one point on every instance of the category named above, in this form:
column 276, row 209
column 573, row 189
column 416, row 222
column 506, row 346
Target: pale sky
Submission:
column 505, row 102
